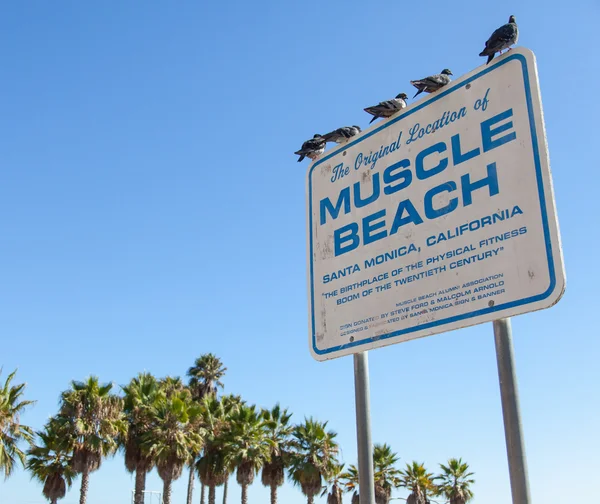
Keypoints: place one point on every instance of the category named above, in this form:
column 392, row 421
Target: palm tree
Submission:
column 314, row 450
column 350, row 482
column 171, row 385
column 196, row 425
column 416, row 478
column 279, row 430
column 247, row 446
column 386, row 475
column 334, row 487
column 12, row 432
column 232, row 403
column 205, row 378
column 455, row 481
column 172, row 439
column 94, row 420
column 50, row 462
column 211, row 466
column 140, row 394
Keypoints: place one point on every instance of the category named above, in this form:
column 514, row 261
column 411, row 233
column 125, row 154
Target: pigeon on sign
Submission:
column 432, row 83
column 387, row 108
column 342, row 135
column 312, row 148
column 504, row 37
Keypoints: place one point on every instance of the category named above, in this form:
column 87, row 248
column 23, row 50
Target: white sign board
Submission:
column 436, row 219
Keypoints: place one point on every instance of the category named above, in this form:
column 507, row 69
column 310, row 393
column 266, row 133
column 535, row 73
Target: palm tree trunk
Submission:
column 244, row 494
column 140, row 484
column 212, row 494
column 202, row 501
column 190, row 491
column 311, row 499
column 225, row 491
column 85, row 481
column 167, row 491
column 273, row 493
column 54, row 501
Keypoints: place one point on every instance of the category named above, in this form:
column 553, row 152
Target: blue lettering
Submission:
column 487, row 132
column 358, row 202
column 404, row 175
column 457, row 156
column 468, row 187
column 343, row 199
column 351, row 235
column 422, row 174
column 432, row 213
column 368, row 228
column 399, row 221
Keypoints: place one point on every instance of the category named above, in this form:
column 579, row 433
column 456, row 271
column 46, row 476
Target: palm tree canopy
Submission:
column 232, row 402
column 314, row 443
column 12, row 432
column 49, row 461
column 350, row 479
column 140, row 394
column 214, row 420
column 94, row 419
column 386, row 474
column 205, row 376
column 314, row 450
column 416, row 478
column 383, row 457
column 334, row 485
column 247, row 445
column 172, row 385
column 173, row 437
column 278, row 432
column 455, row 481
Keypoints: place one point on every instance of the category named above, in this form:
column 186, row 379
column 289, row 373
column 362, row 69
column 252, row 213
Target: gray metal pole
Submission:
column 513, row 430
column 363, row 429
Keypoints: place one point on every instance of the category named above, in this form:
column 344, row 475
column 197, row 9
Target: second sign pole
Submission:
column 513, row 430
column 366, row 476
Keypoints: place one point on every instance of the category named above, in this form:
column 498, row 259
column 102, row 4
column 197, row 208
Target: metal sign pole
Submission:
column 363, row 428
column 513, row 430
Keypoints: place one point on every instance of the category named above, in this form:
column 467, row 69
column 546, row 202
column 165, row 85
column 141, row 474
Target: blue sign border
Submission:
column 541, row 192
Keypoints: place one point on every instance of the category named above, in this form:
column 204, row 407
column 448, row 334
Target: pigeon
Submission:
column 342, row 135
column 387, row 108
column 501, row 39
column 432, row 83
column 312, row 148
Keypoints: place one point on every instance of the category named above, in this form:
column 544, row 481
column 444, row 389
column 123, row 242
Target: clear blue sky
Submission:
column 151, row 210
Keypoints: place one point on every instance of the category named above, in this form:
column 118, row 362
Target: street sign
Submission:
column 439, row 218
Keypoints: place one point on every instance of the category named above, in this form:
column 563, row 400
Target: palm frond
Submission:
column 93, row 421
column 12, row 432
column 50, row 461
column 205, row 376
column 455, row 481
column 314, row 451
